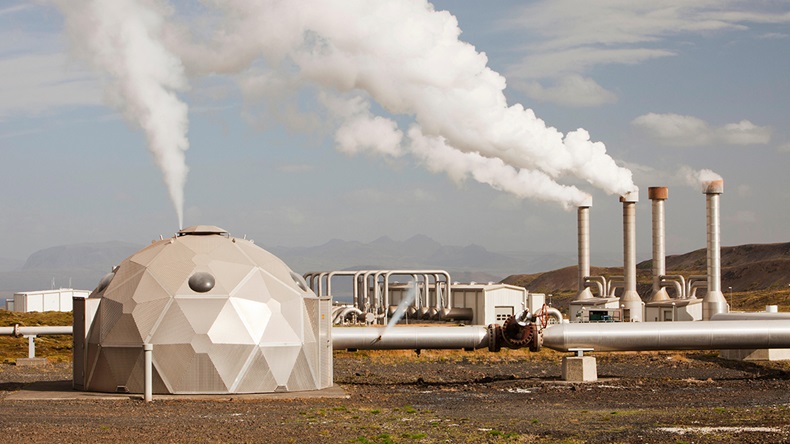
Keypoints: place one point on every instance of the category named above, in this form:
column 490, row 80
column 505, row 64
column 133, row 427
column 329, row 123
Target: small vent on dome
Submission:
column 201, row 282
column 300, row 282
column 202, row 230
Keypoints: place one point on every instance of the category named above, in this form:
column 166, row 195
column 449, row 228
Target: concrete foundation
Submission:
column 31, row 362
column 764, row 354
column 579, row 369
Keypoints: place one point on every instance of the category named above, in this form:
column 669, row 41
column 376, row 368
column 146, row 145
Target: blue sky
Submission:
column 670, row 89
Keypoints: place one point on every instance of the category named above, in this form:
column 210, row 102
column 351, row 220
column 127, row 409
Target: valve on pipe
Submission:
column 518, row 331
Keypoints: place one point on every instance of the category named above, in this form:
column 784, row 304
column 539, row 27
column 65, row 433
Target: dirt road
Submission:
column 513, row 396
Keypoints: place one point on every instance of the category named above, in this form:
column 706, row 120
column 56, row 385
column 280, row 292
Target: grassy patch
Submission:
column 56, row 348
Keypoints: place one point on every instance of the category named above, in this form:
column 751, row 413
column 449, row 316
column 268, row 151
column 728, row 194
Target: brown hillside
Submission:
column 730, row 256
column 752, row 267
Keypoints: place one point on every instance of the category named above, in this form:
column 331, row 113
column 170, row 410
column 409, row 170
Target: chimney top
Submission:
column 631, row 197
column 714, row 187
column 658, row 193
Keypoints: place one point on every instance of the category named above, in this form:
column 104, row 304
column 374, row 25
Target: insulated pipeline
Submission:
column 409, row 338
column 708, row 335
column 41, row 330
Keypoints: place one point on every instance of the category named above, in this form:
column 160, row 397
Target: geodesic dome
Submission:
column 223, row 316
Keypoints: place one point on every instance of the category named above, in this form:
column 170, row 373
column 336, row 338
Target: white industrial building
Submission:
column 490, row 303
column 45, row 300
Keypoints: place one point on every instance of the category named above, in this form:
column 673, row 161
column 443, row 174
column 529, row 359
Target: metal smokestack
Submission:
column 631, row 302
column 584, row 249
column 658, row 195
column 714, row 301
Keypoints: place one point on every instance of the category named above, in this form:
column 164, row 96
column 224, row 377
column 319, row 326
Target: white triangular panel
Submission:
column 148, row 289
column 254, row 315
column 123, row 333
column 229, row 329
column 230, row 252
column 279, row 331
column 281, row 361
column 173, row 329
column 201, row 313
column 252, row 287
column 230, row 274
column 149, row 253
column 229, row 360
column 203, row 245
column 124, row 283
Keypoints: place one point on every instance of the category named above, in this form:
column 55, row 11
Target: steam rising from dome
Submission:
column 122, row 40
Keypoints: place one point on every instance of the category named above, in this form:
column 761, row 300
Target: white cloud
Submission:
column 573, row 90
column 571, row 37
column 681, row 130
column 48, row 82
column 674, row 129
column 784, row 148
column 744, row 133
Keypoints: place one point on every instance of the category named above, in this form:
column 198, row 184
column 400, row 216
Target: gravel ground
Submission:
column 513, row 396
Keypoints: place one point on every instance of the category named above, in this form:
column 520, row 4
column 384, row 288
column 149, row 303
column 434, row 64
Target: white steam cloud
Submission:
column 699, row 178
column 407, row 57
column 122, row 40
column 402, row 56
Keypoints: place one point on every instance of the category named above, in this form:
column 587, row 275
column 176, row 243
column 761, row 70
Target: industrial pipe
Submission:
column 599, row 281
column 148, row 351
column 18, row 330
column 583, row 219
column 684, row 335
column 657, row 196
column 409, row 338
column 630, row 300
column 713, row 302
column 677, row 279
column 755, row 316
column 679, row 291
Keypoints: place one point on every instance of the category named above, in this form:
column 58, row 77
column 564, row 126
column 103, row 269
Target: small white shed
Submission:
column 45, row 300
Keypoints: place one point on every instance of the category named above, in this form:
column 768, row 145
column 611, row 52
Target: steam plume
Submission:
column 122, row 40
column 699, row 178
column 408, row 58
column 402, row 54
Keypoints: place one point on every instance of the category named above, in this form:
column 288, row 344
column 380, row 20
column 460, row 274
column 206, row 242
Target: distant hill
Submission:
column 752, row 267
column 78, row 266
column 418, row 252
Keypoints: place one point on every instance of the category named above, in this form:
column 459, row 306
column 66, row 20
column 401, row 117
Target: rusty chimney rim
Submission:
column 658, row 193
column 713, row 187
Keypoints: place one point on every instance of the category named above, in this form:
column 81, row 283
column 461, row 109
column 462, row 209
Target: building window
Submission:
column 502, row 313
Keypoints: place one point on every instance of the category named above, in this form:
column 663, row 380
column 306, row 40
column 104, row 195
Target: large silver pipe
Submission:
column 409, row 338
column 630, row 300
column 657, row 196
column 583, row 219
column 686, row 335
column 756, row 316
column 41, row 330
column 714, row 301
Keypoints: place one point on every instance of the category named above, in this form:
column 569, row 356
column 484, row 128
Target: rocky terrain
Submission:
column 443, row 396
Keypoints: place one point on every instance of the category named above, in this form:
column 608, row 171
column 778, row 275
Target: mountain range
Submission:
column 83, row 265
column 744, row 268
